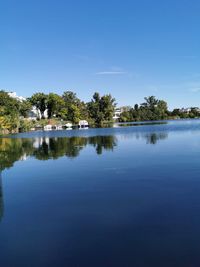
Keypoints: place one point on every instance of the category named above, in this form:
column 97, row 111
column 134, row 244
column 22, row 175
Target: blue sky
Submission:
column 129, row 48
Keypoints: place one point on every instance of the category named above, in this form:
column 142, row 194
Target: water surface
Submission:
column 126, row 196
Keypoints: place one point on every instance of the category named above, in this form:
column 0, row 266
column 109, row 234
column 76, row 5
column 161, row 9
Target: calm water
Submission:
column 127, row 196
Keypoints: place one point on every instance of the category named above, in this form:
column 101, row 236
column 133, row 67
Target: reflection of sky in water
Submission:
column 126, row 197
column 1, row 198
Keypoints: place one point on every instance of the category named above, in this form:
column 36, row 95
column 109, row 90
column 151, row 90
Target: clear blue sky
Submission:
column 129, row 48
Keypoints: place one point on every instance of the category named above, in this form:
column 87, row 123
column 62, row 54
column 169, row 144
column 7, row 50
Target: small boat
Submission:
column 59, row 127
column 48, row 127
column 68, row 125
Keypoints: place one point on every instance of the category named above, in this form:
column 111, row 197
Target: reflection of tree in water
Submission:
column 58, row 147
column 153, row 138
column 54, row 148
column 14, row 149
column 102, row 143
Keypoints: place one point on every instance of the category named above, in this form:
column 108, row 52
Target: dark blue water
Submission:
column 126, row 196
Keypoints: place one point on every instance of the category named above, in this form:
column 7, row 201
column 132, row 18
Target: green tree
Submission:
column 151, row 109
column 176, row 112
column 73, row 106
column 161, row 110
column 40, row 101
column 101, row 108
column 24, row 108
column 55, row 105
column 9, row 113
column 150, row 103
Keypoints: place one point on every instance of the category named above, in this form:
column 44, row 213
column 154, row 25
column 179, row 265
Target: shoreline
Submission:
column 157, row 126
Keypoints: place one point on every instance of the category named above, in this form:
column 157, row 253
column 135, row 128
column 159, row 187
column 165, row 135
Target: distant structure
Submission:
column 33, row 114
column 188, row 110
column 48, row 127
column 117, row 114
column 83, row 124
column 185, row 110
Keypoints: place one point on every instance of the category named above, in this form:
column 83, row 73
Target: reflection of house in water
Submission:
column 1, row 198
column 39, row 141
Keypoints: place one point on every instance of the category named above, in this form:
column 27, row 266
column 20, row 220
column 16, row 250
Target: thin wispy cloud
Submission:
column 110, row 73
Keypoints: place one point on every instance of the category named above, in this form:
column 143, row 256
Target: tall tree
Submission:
column 55, row 104
column 101, row 108
column 72, row 106
column 153, row 109
column 24, row 108
column 9, row 112
column 39, row 100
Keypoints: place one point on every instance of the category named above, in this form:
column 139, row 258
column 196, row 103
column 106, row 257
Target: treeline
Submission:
column 151, row 109
column 70, row 108
column 14, row 113
column 66, row 107
column 155, row 109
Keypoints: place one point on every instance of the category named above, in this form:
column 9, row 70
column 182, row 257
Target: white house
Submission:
column 188, row 110
column 185, row 110
column 117, row 113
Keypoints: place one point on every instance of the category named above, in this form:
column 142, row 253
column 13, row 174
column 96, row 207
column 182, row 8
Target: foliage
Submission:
column 69, row 108
column 151, row 109
column 24, row 108
column 26, row 125
column 39, row 100
column 72, row 106
column 101, row 108
column 9, row 113
column 192, row 113
column 74, row 109
column 55, row 105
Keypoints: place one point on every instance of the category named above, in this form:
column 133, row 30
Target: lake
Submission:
column 125, row 196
